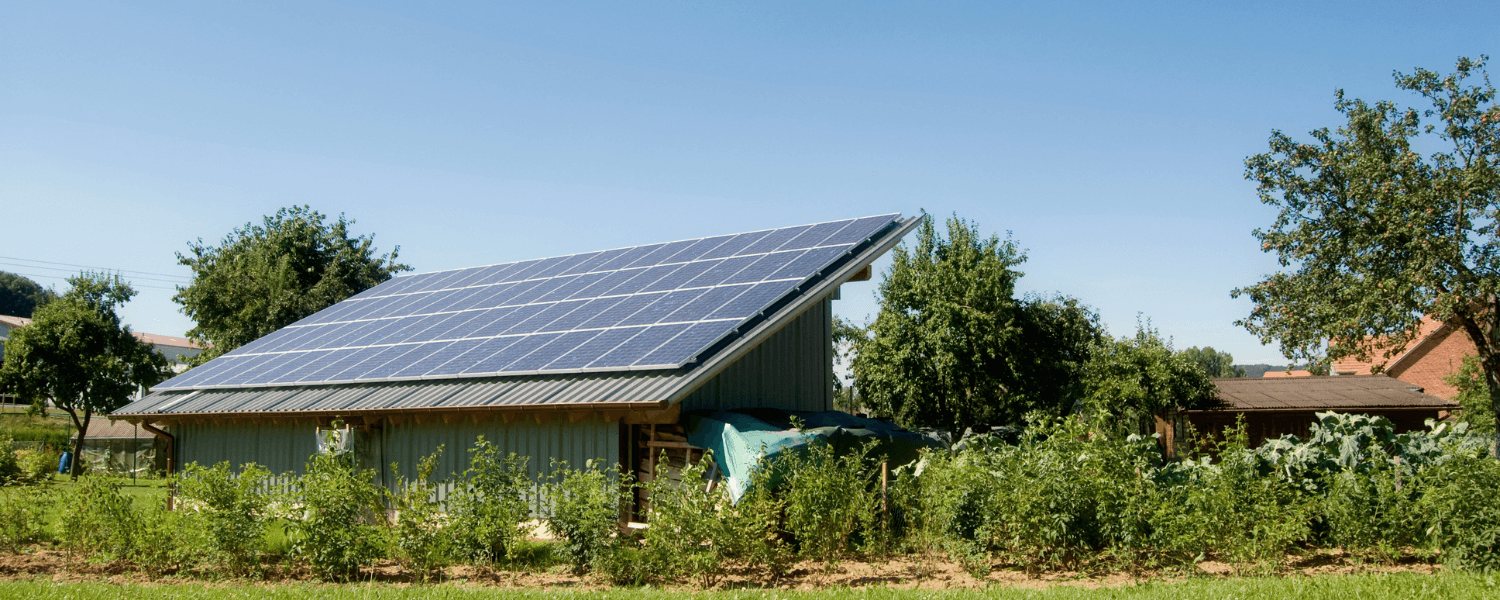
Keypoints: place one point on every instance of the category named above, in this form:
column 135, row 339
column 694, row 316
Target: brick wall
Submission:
column 1430, row 363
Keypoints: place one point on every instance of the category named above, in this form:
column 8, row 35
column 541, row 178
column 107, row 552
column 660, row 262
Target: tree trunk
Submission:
column 1492, row 379
column 83, row 428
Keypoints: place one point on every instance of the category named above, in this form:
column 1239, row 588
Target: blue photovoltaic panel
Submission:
column 654, row 306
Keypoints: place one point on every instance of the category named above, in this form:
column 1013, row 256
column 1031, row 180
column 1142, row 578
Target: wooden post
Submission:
column 885, row 478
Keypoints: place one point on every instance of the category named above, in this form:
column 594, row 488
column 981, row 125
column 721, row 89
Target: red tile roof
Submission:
column 15, row 321
column 149, row 338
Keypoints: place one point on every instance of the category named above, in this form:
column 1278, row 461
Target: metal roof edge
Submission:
column 758, row 334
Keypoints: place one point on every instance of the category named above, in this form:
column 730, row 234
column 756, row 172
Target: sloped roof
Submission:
column 1344, row 392
column 149, row 338
column 1428, row 330
column 15, row 321
column 642, row 388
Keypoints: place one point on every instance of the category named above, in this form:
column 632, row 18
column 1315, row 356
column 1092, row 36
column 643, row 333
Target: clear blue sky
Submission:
column 1108, row 137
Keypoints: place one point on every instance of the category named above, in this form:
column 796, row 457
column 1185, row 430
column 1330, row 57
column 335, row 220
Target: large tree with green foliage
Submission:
column 1377, row 234
column 1213, row 362
column 1132, row 379
column 76, row 354
column 953, row 347
column 20, row 296
column 263, row 277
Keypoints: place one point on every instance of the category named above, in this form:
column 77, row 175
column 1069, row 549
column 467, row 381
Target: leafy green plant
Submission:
column 418, row 533
column 170, row 541
column 35, row 466
column 585, row 507
column 22, row 516
column 686, row 536
column 1462, row 516
column 97, row 520
column 489, row 503
column 232, row 510
column 333, row 531
column 829, row 499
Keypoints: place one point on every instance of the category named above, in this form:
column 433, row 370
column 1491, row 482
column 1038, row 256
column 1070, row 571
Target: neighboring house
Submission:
column 1276, row 374
column 169, row 346
column 1437, row 351
column 570, row 358
column 7, row 325
column 176, row 349
column 1272, row 407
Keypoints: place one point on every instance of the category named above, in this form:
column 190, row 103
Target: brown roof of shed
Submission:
column 1345, row 392
column 101, row 427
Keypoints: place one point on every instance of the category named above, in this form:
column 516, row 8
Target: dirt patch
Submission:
column 927, row 572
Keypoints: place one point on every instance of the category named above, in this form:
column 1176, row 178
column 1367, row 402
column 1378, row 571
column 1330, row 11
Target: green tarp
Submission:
column 739, row 439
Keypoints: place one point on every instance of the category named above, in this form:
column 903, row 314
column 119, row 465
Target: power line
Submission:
column 48, row 262
column 130, row 277
column 150, row 287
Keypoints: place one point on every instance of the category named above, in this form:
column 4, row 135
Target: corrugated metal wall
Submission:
column 575, row 443
column 286, row 448
column 278, row 448
column 790, row 370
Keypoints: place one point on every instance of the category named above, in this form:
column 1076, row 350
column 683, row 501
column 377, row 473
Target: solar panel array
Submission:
column 655, row 306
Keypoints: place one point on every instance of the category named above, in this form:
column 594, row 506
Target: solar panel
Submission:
column 653, row 306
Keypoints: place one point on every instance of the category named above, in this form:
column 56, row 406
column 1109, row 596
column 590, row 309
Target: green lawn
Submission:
column 1455, row 586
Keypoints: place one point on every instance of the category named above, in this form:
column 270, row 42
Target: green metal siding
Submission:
column 791, row 370
column 278, row 448
column 573, row 442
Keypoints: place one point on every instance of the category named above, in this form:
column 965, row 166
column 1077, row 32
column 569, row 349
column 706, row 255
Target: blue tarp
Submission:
column 739, row 439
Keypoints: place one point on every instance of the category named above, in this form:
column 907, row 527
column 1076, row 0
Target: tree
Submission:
column 1213, row 362
column 1473, row 396
column 952, row 347
column 1377, row 235
column 846, row 339
column 20, row 296
column 1133, row 379
column 76, row 354
column 261, row 278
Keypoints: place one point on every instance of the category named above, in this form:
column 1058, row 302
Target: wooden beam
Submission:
column 612, row 416
column 419, row 418
column 396, row 419
column 542, row 417
column 480, row 417
column 579, row 415
column 860, row 275
column 452, row 418
column 666, row 416
column 510, row 416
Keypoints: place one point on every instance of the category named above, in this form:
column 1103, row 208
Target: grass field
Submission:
column 1448, row 586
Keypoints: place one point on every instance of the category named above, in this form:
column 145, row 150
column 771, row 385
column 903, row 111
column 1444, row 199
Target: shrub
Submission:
column 338, row 502
column 231, row 509
column 9, row 470
column 97, row 520
column 489, row 504
column 1241, row 509
column 685, row 537
column 585, row 510
column 169, row 541
column 419, row 536
column 22, row 516
column 35, row 466
column 1373, row 512
column 829, row 500
column 1462, row 515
